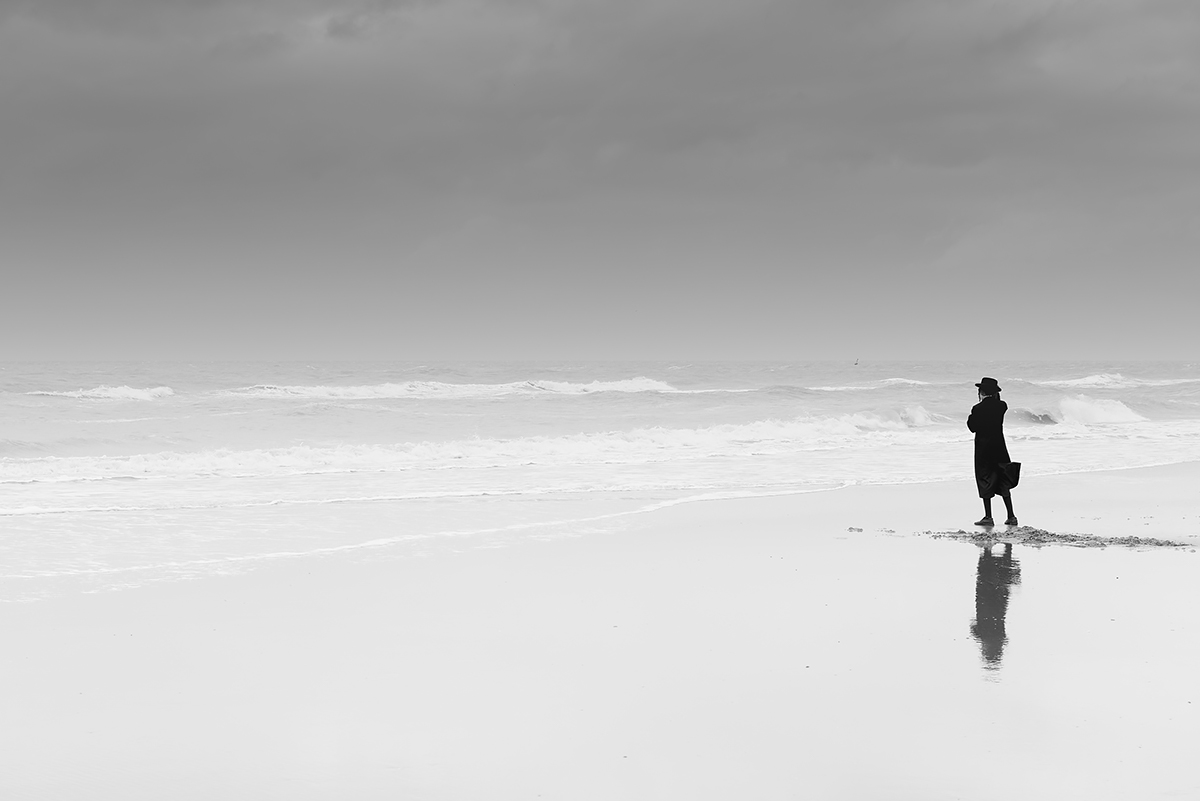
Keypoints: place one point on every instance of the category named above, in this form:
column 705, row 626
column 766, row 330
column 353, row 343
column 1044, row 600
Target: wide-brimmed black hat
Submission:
column 988, row 385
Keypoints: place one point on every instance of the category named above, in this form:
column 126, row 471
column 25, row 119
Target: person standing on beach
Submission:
column 991, row 453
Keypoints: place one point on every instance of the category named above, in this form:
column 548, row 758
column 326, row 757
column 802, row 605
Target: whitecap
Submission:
column 1088, row 411
column 637, row 446
column 1116, row 381
column 423, row 390
column 112, row 393
column 907, row 381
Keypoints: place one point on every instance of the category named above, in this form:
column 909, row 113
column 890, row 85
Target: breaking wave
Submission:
column 112, row 393
column 906, row 381
column 841, row 389
column 637, row 446
column 1083, row 409
column 1080, row 410
column 1030, row 416
column 420, row 390
column 885, row 383
column 1116, row 381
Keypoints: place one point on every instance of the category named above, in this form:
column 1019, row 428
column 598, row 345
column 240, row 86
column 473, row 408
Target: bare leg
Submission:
column 1012, row 517
column 987, row 513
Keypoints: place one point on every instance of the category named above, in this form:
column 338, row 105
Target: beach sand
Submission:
column 754, row 649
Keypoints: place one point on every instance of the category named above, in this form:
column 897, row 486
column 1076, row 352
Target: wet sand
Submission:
column 755, row 648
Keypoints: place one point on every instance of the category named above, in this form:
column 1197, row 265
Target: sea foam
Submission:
column 636, row 446
column 906, row 382
column 437, row 390
column 1082, row 409
column 1116, row 381
column 112, row 393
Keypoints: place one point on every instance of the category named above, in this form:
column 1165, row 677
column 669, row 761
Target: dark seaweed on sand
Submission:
column 1028, row 535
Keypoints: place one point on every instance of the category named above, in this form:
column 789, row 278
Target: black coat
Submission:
column 987, row 421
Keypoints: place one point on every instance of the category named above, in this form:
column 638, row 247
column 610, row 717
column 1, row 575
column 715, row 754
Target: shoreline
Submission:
column 1145, row 502
column 760, row 648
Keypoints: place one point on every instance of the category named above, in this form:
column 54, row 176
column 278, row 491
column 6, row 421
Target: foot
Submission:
column 1011, row 521
column 986, row 521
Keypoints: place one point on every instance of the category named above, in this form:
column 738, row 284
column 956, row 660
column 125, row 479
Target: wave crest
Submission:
column 1117, row 381
column 637, row 446
column 438, row 390
column 912, row 382
column 112, row 393
column 885, row 383
column 1085, row 410
column 1030, row 416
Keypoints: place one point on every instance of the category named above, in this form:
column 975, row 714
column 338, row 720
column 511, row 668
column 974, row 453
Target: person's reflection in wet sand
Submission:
column 995, row 574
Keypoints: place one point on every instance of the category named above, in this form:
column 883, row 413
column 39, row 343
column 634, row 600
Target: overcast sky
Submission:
column 600, row 178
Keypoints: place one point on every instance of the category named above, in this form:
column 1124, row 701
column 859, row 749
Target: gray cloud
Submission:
column 203, row 19
column 130, row 17
column 356, row 20
column 896, row 138
column 591, row 88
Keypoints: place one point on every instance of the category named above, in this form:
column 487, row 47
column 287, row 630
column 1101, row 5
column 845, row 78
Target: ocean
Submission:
column 114, row 475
